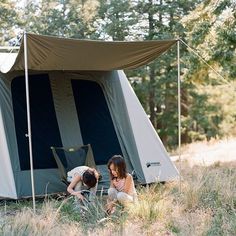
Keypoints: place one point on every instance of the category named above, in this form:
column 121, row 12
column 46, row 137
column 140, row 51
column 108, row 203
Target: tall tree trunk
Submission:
column 151, row 98
column 184, row 112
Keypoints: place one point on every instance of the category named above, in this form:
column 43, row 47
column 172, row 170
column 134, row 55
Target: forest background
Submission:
column 208, row 101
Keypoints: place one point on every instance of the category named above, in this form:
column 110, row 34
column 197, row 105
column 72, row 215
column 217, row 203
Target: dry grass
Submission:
column 206, row 205
column 46, row 221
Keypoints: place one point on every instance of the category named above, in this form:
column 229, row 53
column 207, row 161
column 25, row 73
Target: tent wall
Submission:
column 8, row 122
column 155, row 162
column 95, row 120
column 43, row 121
column 47, row 180
column 84, row 99
column 7, row 182
column 8, row 144
column 65, row 109
column 119, row 105
column 67, row 114
column 114, row 98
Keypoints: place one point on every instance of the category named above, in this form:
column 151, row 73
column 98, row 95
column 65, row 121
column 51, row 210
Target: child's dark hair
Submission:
column 89, row 178
column 119, row 163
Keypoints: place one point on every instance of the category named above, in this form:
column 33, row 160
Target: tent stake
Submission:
column 179, row 114
column 28, row 119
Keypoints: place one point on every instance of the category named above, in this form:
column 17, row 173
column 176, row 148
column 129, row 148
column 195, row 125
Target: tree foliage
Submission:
column 210, row 30
column 63, row 18
column 8, row 20
column 208, row 26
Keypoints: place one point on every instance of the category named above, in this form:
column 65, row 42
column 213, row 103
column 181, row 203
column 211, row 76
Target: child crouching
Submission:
column 122, row 187
column 82, row 179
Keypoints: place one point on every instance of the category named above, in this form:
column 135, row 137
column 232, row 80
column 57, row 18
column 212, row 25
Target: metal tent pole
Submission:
column 28, row 119
column 179, row 112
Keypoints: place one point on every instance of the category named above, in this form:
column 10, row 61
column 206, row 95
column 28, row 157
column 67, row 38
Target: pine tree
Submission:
column 8, row 21
column 63, row 18
column 211, row 32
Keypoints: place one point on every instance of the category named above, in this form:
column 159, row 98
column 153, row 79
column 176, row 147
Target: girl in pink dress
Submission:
column 122, row 187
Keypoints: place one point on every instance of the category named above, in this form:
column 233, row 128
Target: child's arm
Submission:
column 111, row 184
column 128, row 184
column 93, row 191
column 110, row 203
column 71, row 186
column 95, row 172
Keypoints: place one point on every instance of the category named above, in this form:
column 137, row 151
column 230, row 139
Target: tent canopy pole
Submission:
column 28, row 135
column 179, row 111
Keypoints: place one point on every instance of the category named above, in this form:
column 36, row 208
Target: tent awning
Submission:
column 52, row 53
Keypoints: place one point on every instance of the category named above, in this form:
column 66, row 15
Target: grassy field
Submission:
column 204, row 204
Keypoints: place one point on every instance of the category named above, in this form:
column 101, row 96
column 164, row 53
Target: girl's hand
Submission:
column 110, row 206
column 78, row 195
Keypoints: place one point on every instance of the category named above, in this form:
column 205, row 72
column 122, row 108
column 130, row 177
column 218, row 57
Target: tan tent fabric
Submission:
column 50, row 53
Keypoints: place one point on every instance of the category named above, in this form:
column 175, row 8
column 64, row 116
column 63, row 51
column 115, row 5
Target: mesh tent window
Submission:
column 67, row 158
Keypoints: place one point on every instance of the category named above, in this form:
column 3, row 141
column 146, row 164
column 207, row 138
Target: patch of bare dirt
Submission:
column 208, row 153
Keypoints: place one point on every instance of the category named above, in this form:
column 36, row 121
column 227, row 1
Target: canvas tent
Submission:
column 78, row 95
